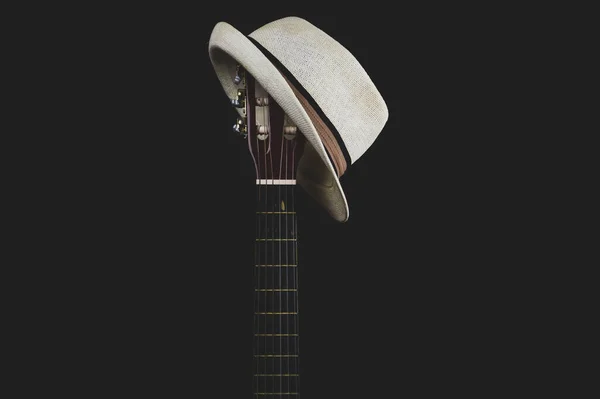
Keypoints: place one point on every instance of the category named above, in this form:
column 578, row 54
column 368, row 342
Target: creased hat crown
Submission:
column 332, row 76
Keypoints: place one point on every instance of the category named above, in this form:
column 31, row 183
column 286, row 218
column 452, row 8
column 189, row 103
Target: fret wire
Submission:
column 275, row 335
column 276, row 213
column 275, row 355
column 277, row 290
column 276, row 239
column 275, row 313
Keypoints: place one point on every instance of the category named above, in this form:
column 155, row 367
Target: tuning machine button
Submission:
column 240, row 128
column 240, row 100
column 239, row 75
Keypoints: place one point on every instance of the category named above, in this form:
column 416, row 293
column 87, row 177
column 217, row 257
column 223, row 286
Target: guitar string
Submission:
column 268, row 260
column 295, row 273
column 267, row 119
column 257, row 260
column 291, row 260
column 266, row 245
column 263, row 235
column 266, row 248
column 287, row 261
column 260, row 261
column 269, row 243
column 279, row 267
column 289, row 206
column 257, row 283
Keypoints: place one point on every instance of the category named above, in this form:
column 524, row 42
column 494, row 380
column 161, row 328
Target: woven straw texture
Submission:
column 332, row 76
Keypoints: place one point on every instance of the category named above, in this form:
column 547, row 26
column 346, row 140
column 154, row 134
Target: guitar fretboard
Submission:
column 276, row 328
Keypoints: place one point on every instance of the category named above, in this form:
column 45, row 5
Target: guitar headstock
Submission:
column 274, row 141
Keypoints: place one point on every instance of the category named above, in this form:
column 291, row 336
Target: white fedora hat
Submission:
column 322, row 88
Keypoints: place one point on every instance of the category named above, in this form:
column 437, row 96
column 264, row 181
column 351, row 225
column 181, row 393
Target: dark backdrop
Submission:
column 415, row 293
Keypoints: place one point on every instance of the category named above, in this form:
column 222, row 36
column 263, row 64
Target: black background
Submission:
column 425, row 289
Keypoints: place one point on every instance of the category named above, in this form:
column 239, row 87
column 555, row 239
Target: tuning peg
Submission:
column 240, row 128
column 239, row 75
column 240, row 100
column 262, row 101
column 289, row 132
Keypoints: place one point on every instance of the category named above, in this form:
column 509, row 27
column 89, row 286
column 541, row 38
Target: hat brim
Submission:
column 319, row 179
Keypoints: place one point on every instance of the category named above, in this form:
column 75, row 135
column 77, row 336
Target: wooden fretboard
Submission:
column 276, row 328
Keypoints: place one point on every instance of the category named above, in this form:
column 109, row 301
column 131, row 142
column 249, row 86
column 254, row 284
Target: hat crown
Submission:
column 332, row 76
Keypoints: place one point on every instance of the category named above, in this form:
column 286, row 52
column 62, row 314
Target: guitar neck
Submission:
column 276, row 328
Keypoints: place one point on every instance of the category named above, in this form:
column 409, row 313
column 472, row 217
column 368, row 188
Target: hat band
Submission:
column 332, row 141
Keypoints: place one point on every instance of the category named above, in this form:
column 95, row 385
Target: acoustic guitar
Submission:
column 275, row 145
